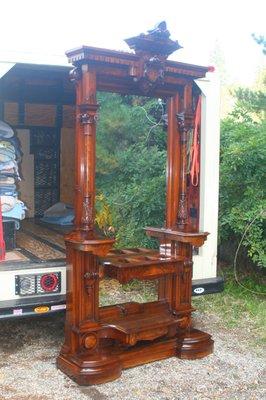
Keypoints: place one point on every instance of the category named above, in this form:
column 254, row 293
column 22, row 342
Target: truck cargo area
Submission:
column 37, row 242
column 39, row 254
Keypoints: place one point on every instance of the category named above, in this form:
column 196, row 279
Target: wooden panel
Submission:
column 69, row 116
column 11, row 113
column 40, row 114
column 67, row 165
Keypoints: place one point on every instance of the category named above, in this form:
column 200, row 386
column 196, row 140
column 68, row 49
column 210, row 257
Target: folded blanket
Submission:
column 14, row 141
column 8, row 190
column 6, row 156
column 5, row 130
column 6, row 180
column 7, row 203
column 9, row 164
column 17, row 212
column 60, row 214
column 9, row 171
column 7, row 145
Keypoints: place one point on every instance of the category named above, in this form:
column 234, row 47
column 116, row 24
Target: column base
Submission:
column 90, row 369
column 194, row 344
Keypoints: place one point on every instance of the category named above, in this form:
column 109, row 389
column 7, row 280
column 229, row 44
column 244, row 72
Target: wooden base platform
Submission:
column 107, row 364
column 128, row 335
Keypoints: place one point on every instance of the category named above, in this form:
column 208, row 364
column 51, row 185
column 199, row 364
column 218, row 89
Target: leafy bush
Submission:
column 131, row 160
column 242, row 174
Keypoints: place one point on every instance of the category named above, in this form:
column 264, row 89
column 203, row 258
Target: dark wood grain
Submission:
column 101, row 341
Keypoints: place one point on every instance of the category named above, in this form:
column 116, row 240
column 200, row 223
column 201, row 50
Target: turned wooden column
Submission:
column 82, row 244
column 165, row 287
column 183, row 282
column 173, row 164
column 176, row 289
column 86, row 117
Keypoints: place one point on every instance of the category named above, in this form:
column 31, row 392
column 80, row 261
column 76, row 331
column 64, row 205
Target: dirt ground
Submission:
column 28, row 349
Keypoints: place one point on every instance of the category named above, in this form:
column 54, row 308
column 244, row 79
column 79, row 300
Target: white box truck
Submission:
column 37, row 100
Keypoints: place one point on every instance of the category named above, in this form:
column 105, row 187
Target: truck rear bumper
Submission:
column 28, row 307
column 207, row 286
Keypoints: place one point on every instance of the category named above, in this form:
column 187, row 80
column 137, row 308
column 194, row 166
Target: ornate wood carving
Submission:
column 75, row 75
column 153, row 74
column 88, row 117
column 153, row 48
column 139, row 333
column 87, row 213
column 155, row 42
column 185, row 124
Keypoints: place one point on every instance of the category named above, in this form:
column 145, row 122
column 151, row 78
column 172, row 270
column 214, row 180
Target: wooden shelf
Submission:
column 137, row 263
column 194, row 238
column 147, row 322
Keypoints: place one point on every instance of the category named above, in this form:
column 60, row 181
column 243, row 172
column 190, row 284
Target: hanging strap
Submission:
column 195, row 148
column 2, row 242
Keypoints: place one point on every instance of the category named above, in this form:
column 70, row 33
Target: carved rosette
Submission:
column 90, row 341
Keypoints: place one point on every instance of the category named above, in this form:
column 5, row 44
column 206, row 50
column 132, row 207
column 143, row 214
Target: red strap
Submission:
column 195, row 148
column 2, row 242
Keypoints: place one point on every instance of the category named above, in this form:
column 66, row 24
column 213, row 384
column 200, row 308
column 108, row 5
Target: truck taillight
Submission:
column 49, row 282
column 28, row 285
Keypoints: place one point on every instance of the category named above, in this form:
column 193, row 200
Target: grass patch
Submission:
column 112, row 292
column 238, row 307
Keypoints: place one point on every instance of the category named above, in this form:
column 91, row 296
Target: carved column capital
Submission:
column 75, row 75
column 185, row 121
column 88, row 114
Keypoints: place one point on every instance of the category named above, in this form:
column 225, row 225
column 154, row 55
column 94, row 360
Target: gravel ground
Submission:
column 29, row 347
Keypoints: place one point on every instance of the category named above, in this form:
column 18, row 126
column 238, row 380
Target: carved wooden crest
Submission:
column 153, row 48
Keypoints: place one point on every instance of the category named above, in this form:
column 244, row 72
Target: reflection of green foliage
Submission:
column 261, row 40
column 243, row 178
column 103, row 216
column 131, row 159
